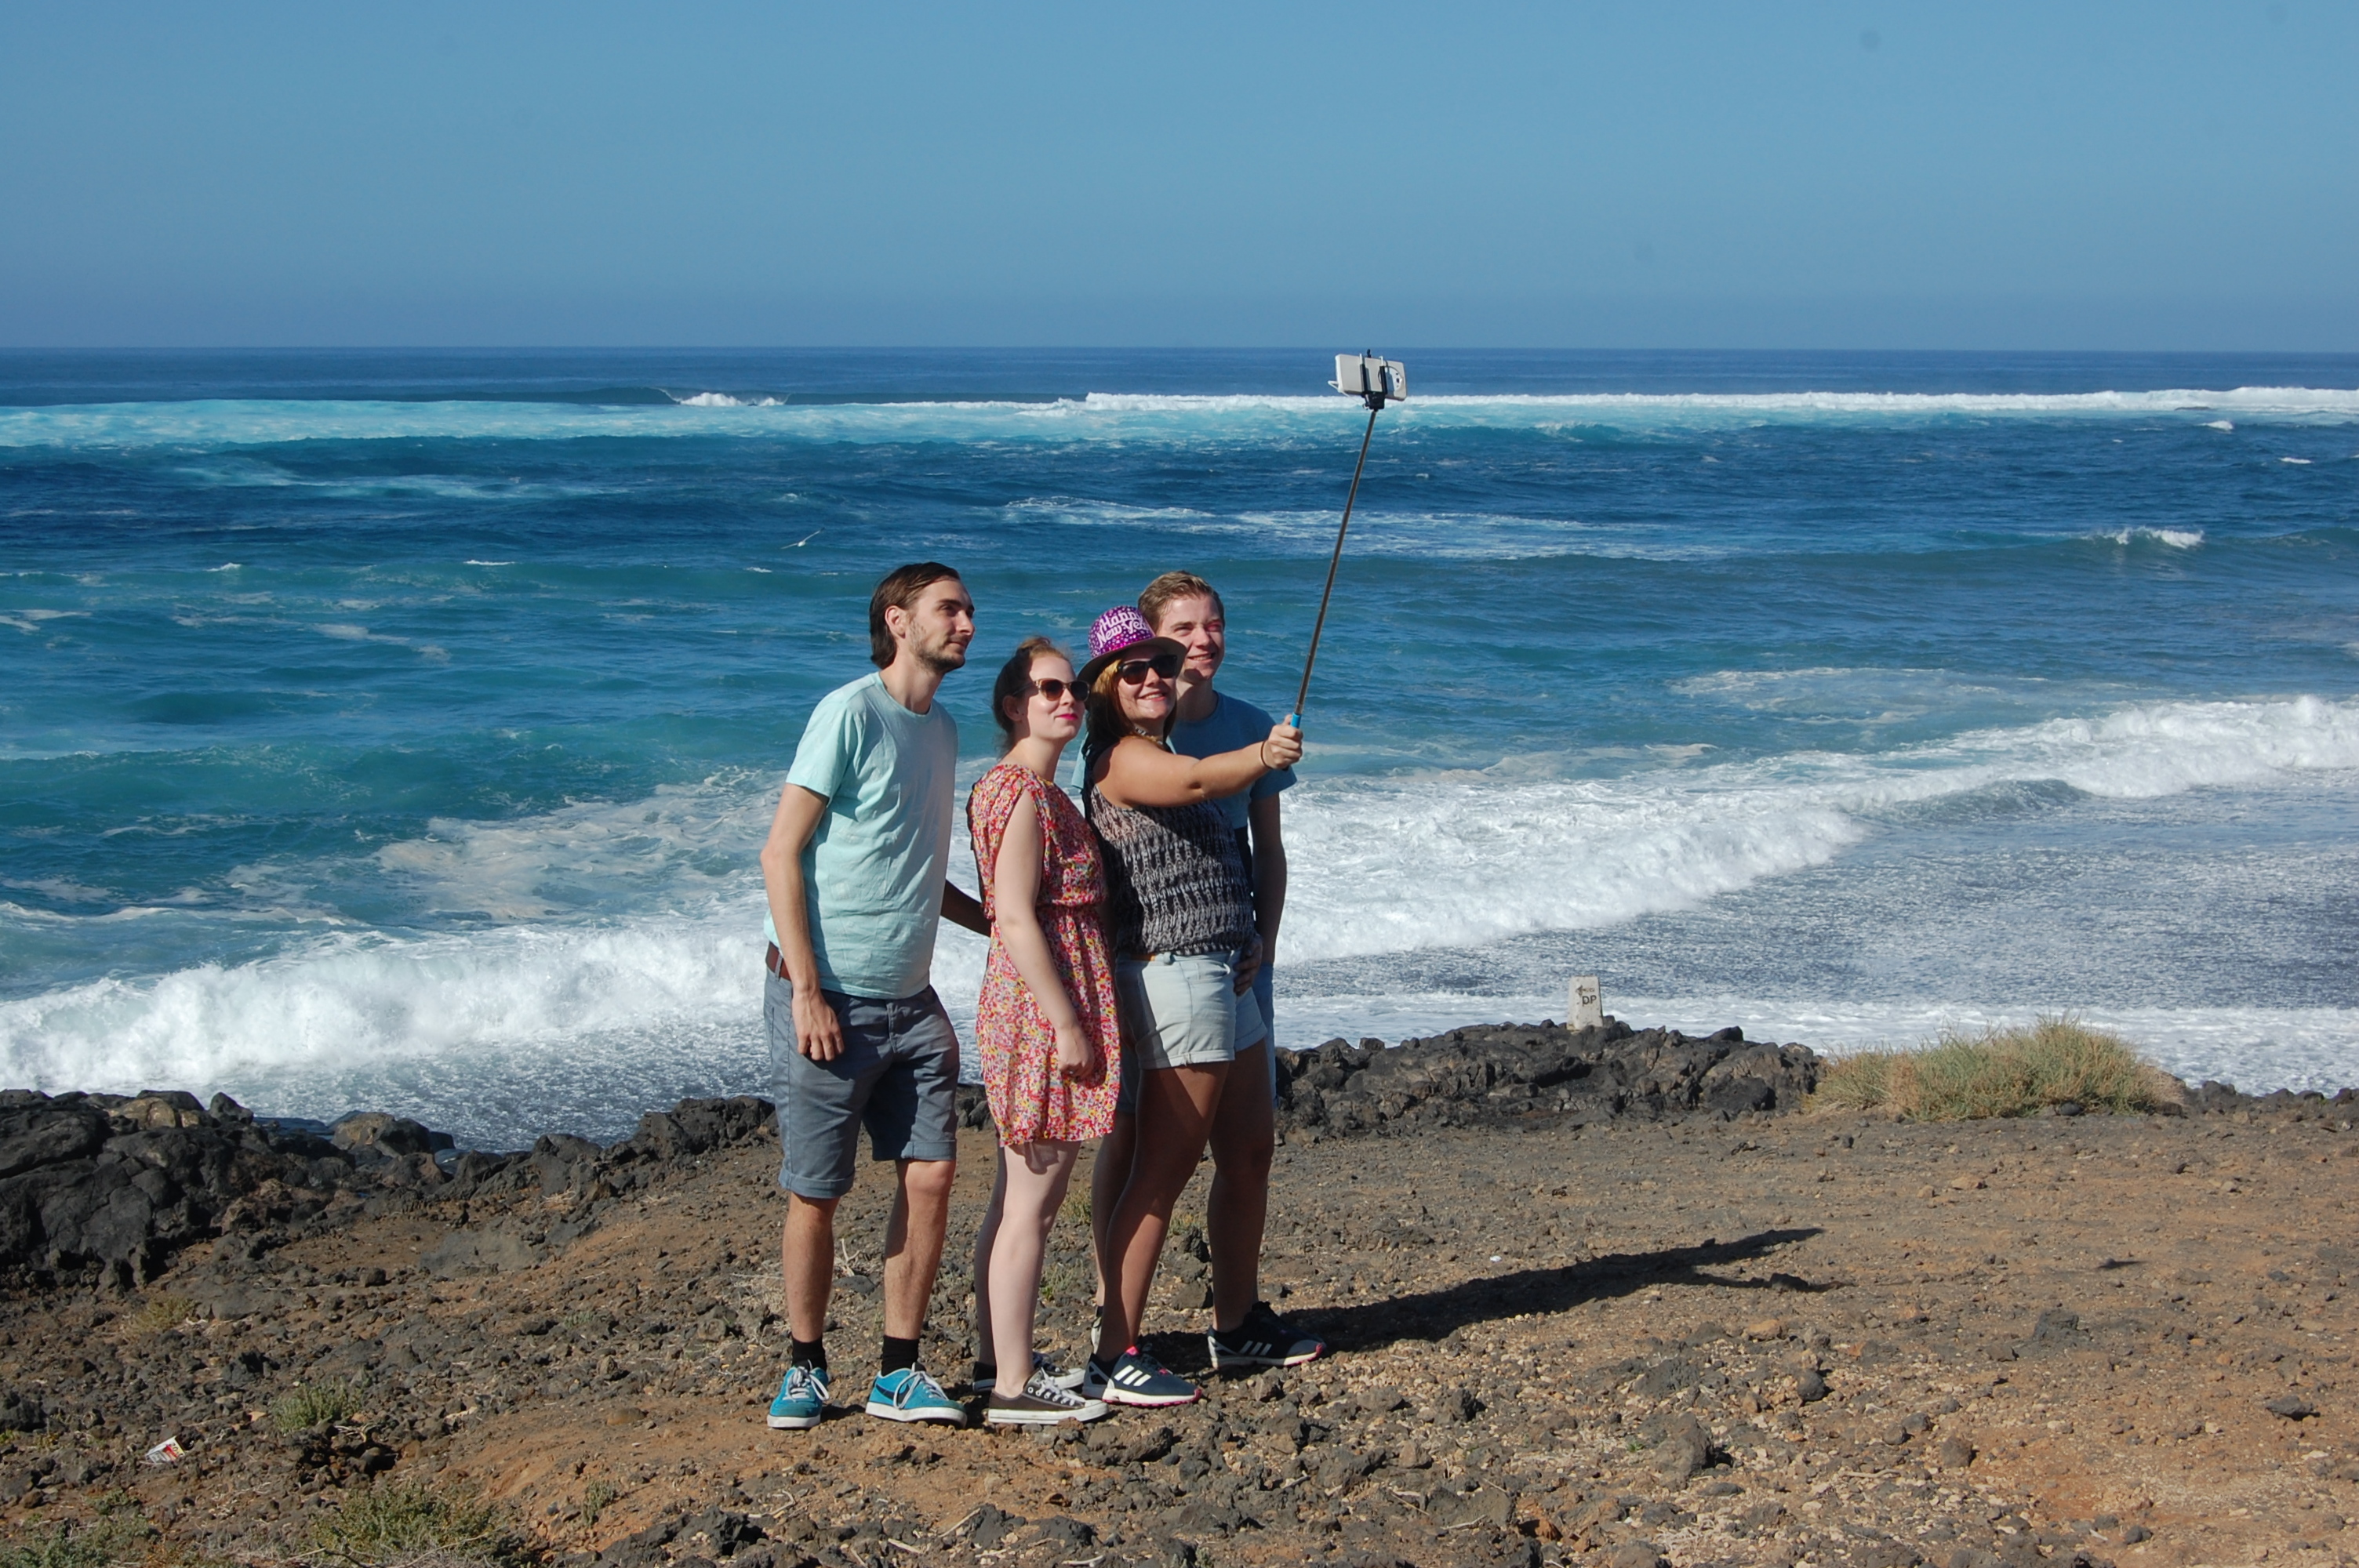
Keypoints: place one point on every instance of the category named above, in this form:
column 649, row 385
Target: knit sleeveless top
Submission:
column 1175, row 883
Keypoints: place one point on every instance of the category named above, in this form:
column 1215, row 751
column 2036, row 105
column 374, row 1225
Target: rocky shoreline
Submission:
column 112, row 1187
column 1600, row 1293
column 97, row 1187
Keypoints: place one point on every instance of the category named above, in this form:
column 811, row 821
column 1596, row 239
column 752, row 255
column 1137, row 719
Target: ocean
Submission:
column 398, row 729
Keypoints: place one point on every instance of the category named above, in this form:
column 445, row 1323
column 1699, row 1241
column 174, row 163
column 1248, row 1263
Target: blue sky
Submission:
column 1844, row 175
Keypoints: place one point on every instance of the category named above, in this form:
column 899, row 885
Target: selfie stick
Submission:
column 1379, row 381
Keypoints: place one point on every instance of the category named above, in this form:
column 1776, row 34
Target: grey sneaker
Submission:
column 986, row 1373
column 1042, row 1404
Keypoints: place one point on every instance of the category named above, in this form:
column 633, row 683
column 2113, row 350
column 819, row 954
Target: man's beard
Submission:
column 940, row 656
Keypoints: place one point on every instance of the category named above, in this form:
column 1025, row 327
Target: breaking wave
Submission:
column 207, row 425
column 2177, row 538
column 1380, row 865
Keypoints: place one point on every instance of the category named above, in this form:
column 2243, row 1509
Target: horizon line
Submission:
column 2348, row 353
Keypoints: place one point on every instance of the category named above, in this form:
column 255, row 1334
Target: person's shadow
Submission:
column 1432, row 1314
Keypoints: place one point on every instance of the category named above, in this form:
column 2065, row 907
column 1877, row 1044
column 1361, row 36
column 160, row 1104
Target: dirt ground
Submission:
column 1772, row 1339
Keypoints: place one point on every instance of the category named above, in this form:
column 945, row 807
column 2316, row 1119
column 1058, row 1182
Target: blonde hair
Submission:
column 1160, row 595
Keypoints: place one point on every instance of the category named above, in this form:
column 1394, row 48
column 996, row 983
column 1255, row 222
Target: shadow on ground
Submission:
column 1433, row 1315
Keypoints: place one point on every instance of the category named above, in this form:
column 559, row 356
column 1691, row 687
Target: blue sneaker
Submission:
column 802, row 1399
column 911, row 1394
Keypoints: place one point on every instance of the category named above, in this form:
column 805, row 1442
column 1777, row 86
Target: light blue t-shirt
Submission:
column 1231, row 724
column 873, row 871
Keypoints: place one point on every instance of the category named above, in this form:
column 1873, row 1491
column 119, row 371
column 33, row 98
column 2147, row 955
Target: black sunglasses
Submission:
column 1164, row 665
column 1054, row 689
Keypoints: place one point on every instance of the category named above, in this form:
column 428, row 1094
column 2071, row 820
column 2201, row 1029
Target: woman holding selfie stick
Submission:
column 1047, row 1027
column 1180, row 919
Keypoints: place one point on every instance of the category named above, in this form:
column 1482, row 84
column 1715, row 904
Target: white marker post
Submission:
column 1587, row 1002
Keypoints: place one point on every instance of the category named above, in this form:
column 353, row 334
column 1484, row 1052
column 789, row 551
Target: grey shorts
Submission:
column 1180, row 1013
column 897, row 1076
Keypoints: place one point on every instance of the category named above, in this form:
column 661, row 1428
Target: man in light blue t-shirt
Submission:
column 854, row 870
column 1246, row 1331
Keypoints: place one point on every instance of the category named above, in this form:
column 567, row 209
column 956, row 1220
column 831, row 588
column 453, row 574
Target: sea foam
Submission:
column 355, row 998
column 2177, row 538
column 1445, row 860
column 722, row 400
column 1379, row 866
column 215, row 425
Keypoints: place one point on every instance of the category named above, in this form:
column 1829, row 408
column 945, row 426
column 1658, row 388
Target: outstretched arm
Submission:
column 1140, row 772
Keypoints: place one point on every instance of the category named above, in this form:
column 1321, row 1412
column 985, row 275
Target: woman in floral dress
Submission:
column 1046, row 1030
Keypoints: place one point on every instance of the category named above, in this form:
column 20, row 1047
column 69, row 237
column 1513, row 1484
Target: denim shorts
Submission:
column 1180, row 1013
column 897, row 1076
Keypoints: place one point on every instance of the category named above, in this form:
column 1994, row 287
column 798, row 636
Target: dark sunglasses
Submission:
column 1055, row 689
column 1164, row 665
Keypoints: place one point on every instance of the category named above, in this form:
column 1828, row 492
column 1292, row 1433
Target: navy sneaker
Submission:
column 802, row 1399
column 1263, row 1339
column 1137, row 1379
column 910, row 1393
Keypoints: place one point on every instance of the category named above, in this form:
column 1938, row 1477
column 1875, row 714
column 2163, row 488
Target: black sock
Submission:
column 808, row 1353
column 899, row 1353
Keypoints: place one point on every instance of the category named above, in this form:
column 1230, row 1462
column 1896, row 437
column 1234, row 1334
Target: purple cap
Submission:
column 1119, row 627
column 1118, row 631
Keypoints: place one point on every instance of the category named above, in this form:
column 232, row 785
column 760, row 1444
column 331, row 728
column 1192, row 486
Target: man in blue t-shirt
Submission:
column 854, row 870
column 1246, row 1331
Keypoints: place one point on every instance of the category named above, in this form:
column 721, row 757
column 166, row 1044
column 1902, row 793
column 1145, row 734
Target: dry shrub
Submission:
column 416, row 1525
column 2000, row 1071
column 158, row 1314
column 314, row 1404
column 109, row 1539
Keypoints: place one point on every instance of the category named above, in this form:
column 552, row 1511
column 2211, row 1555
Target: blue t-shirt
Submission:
column 1231, row 723
column 873, row 871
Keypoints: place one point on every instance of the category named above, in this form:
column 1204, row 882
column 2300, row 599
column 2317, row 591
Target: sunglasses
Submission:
column 1055, row 689
column 1164, row 665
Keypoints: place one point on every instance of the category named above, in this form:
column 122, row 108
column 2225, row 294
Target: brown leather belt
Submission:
column 776, row 963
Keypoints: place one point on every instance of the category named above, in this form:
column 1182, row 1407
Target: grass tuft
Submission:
column 2000, row 1071
column 314, row 1404
column 158, row 1314
column 1064, row 1280
column 108, row 1540
column 410, row 1522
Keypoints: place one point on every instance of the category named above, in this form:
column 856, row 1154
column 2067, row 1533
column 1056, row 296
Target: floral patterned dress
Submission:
column 1031, row 1099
